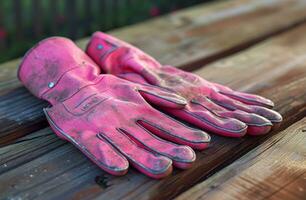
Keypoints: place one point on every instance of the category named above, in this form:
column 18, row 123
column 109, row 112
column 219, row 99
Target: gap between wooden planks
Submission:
column 274, row 170
column 275, row 68
column 191, row 37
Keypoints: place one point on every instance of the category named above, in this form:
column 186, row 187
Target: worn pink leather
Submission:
column 211, row 106
column 109, row 119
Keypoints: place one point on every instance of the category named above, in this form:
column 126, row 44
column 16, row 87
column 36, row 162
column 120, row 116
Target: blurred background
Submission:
column 25, row 22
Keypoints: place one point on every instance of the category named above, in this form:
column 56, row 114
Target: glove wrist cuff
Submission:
column 51, row 60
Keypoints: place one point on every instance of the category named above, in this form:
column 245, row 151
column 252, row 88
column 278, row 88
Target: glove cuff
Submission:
column 100, row 47
column 116, row 57
column 56, row 68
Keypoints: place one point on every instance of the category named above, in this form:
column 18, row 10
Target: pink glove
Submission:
column 210, row 106
column 108, row 118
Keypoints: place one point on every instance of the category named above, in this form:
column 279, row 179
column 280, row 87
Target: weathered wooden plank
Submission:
column 201, row 34
column 27, row 148
column 192, row 37
column 276, row 168
column 282, row 57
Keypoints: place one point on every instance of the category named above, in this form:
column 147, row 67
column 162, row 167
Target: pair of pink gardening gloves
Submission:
column 110, row 117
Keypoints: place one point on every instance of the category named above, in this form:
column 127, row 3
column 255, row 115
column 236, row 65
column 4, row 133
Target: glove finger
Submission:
column 211, row 121
column 257, row 125
column 182, row 156
column 250, row 99
column 172, row 130
column 97, row 149
column 269, row 114
column 133, row 77
column 161, row 97
column 233, row 104
column 152, row 165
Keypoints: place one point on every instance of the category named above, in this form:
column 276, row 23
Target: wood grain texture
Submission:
column 280, row 67
column 191, row 37
column 274, row 170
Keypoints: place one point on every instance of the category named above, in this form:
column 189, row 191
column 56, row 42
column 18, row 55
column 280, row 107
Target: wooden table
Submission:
column 257, row 46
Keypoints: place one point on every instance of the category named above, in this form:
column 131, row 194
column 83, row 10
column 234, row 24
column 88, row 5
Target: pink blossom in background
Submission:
column 3, row 33
column 154, row 11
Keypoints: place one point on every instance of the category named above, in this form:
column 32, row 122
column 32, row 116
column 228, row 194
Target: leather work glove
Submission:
column 109, row 119
column 211, row 106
